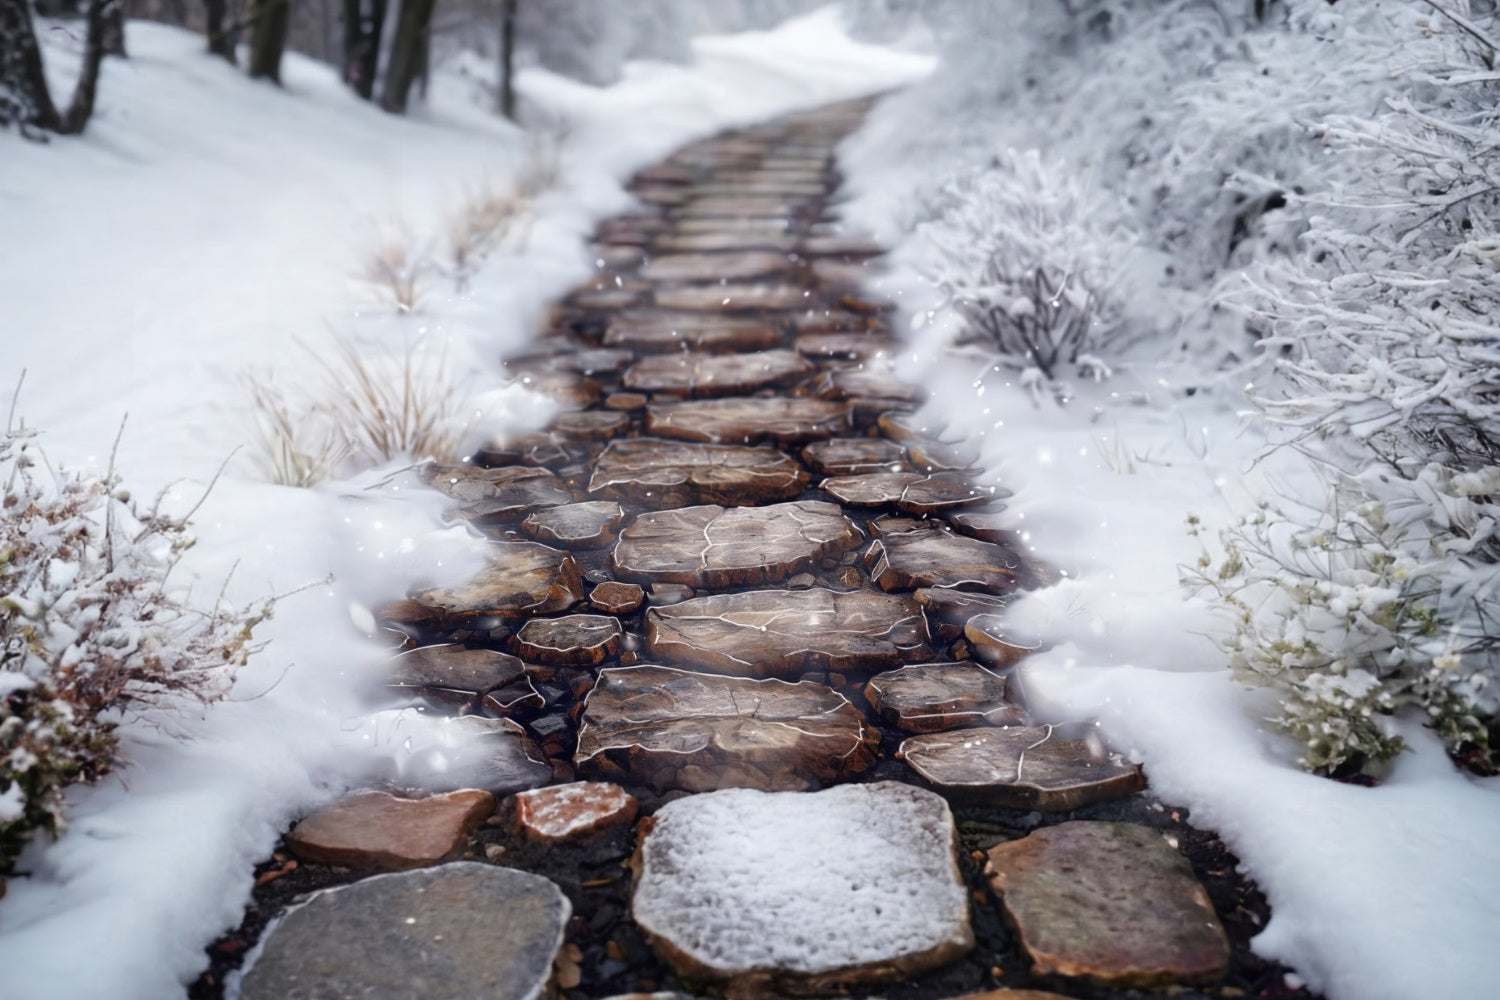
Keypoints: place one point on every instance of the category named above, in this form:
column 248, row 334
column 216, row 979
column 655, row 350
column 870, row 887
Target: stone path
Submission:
column 737, row 587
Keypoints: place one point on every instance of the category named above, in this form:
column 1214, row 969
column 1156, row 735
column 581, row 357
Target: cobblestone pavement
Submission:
column 737, row 683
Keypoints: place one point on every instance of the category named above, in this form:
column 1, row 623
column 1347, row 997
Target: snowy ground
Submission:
column 206, row 224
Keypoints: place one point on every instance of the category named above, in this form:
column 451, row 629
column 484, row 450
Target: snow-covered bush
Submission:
column 1025, row 259
column 92, row 632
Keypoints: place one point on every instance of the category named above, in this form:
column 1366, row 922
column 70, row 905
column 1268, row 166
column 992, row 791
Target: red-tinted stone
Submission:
column 378, row 830
column 575, row 811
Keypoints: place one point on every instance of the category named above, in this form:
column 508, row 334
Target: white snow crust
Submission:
column 803, row 881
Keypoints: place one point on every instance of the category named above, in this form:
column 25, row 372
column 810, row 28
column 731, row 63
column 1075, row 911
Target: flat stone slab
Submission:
column 1112, row 903
column 522, row 579
column 844, row 346
column 569, row 641
column 868, row 381
column 468, row 673
column 937, row 558
column 986, row 525
column 454, row 932
column 780, row 420
column 733, row 298
column 498, row 493
column 653, row 332
column 379, row 830
column 854, row 456
column 935, row 697
column 663, row 473
column 672, row 728
column 785, row 894
column 1022, row 767
column 575, row 811
column 615, row 598
column 996, row 642
column 590, row 425
column 787, row 633
column 748, row 239
column 695, row 373
column 956, row 607
column 711, row 546
column 908, row 492
column 469, row 751
column 714, row 267
column 589, row 525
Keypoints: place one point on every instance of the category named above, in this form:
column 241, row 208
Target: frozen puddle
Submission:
column 771, row 892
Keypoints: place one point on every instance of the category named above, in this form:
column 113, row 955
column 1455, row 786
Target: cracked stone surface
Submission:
column 522, row 578
column 934, row 697
column 661, row 473
column 854, row 456
column 497, row 493
column 845, row 346
column 733, row 298
column 908, row 492
column 591, row 524
column 780, row 420
column 379, row 830
column 655, row 332
column 454, row 932
column 704, row 374
column 569, row 641
column 672, row 728
column 996, row 642
column 1112, row 903
column 574, row 811
column 1023, row 767
column 714, row 267
column 615, row 598
column 722, row 889
column 936, row 558
column 710, row 546
column 450, row 667
column 787, row 633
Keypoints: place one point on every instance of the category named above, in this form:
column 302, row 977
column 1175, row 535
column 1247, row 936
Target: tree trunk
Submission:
column 220, row 38
column 268, row 37
column 364, row 24
column 114, row 28
column 24, row 96
column 406, row 49
column 507, row 94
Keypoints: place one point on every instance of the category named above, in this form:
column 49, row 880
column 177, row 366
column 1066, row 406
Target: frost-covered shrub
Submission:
column 1024, row 257
column 1375, row 605
column 92, row 633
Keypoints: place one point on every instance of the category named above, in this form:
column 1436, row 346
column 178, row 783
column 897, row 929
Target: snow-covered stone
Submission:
column 573, row 811
column 771, row 893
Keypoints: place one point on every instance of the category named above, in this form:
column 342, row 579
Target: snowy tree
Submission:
column 25, row 98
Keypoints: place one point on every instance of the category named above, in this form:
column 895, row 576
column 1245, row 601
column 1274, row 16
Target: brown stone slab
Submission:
column 569, row 641
column 451, row 669
column 850, row 346
column 665, row 173
column 606, row 299
column 775, row 227
column 568, row 388
column 936, row 697
column 996, row 642
column 854, row 456
column 496, row 493
column 676, row 474
column 465, row 752
column 693, row 373
column 671, row 728
column 937, row 558
column 698, row 268
column 733, row 298
column 988, row 525
column 590, row 425
column 822, row 319
column 867, row 381
column 522, row 579
column 788, row 633
column 711, row 546
column 575, row 811
column 378, row 830
column 594, row 361
column 663, row 194
column 846, row 247
column 592, row 524
column 910, row 493
column 780, row 420
column 1021, row 767
column 750, row 239
column 1111, row 903
column 615, row 598
column 667, row 331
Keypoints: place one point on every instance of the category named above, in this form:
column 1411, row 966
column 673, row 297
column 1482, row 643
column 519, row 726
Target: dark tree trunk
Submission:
column 406, row 53
column 114, row 28
column 364, row 23
column 507, row 57
column 269, row 20
column 24, row 97
column 220, row 37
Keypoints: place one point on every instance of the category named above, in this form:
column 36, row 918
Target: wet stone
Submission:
column 496, row 755
column 676, row 474
column 671, row 728
column 822, row 320
column 779, row 420
column 1112, row 903
column 732, row 298
column 661, row 594
column 747, row 206
column 590, row 425
column 845, row 247
column 617, row 598
column 711, row 546
column 454, row 932
column 788, row 633
column 773, row 227
column 867, row 381
column 844, row 346
column 910, row 493
column 569, row 641
column 528, row 449
column 787, row 894
column 670, row 332
column 986, row 525
column 379, row 830
column 715, row 240
column 937, row 558
column 568, row 388
column 497, row 493
column 589, row 525
column 626, row 402
column 935, row 697
column 575, row 811
column 854, row 456
column 714, row 267
column 522, row 579
column 956, row 607
column 596, row 361
column 467, row 672
column 1020, row 767
column 605, row 299
column 693, row 373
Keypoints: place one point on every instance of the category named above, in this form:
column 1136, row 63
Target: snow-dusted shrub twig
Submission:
column 93, row 633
